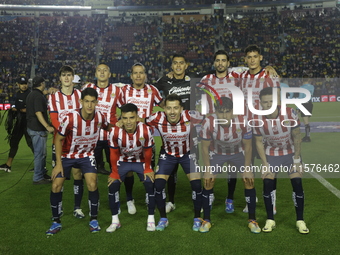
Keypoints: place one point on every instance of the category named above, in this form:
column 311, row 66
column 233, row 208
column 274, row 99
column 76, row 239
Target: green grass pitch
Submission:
column 25, row 213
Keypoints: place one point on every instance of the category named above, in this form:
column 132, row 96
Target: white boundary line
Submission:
column 325, row 183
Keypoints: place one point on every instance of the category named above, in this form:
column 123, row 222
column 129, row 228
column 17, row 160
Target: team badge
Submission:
column 149, row 91
column 187, row 123
column 238, row 130
column 141, row 139
column 99, row 125
column 113, row 95
column 187, row 78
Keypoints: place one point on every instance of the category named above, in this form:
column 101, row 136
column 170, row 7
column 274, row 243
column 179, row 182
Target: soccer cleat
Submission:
column 5, row 168
column 94, row 226
column 151, row 226
column 170, row 207
column 205, row 227
column 306, row 139
column 301, row 226
column 197, row 224
column 113, row 227
column 54, row 229
column 270, row 225
column 229, row 206
column 254, row 226
column 78, row 213
column 131, row 206
column 162, row 224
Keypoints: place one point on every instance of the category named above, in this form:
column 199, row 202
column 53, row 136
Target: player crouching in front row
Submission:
column 130, row 150
column 74, row 145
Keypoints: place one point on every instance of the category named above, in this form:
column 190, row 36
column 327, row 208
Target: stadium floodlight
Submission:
column 12, row 7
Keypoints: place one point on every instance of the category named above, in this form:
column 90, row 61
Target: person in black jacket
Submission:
column 18, row 112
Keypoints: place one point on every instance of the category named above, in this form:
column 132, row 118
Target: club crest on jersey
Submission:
column 149, row 91
column 141, row 139
column 187, row 123
column 162, row 156
column 113, row 95
column 187, row 78
column 238, row 130
column 286, row 123
column 99, row 125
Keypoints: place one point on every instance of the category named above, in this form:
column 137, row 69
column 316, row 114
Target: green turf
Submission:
column 25, row 214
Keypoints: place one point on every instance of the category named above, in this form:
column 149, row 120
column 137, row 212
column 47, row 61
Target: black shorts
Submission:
column 309, row 107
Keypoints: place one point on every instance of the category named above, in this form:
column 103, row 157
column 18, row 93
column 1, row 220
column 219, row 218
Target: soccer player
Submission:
column 282, row 148
column 60, row 104
column 257, row 79
column 108, row 95
column 179, row 84
column 38, row 128
column 309, row 106
column 145, row 97
column 131, row 151
column 75, row 142
column 174, row 127
column 20, row 128
column 220, row 81
column 226, row 139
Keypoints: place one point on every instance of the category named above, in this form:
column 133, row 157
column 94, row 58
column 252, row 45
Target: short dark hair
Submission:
column 173, row 97
column 66, row 69
column 266, row 91
column 129, row 108
column 138, row 64
column 221, row 52
column 252, row 48
column 178, row 56
column 227, row 103
column 89, row 92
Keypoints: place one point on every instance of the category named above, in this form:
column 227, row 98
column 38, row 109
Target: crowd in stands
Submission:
column 295, row 43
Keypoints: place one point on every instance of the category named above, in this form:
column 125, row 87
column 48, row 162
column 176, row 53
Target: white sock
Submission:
column 115, row 218
column 151, row 218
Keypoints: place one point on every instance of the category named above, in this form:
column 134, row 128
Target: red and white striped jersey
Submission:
column 211, row 82
column 226, row 140
column 63, row 104
column 107, row 104
column 131, row 145
column 175, row 136
column 257, row 82
column 81, row 135
column 277, row 133
column 145, row 99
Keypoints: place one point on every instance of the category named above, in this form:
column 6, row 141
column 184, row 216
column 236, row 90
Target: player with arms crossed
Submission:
column 60, row 104
column 74, row 144
column 227, row 140
column 131, row 150
column 174, row 127
column 282, row 148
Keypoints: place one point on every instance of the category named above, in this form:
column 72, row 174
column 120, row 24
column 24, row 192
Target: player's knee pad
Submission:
column 196, row 185
column 297, row 185
column 160, row 184
column 149, row 187
column 114, row 187
column 268, row 186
